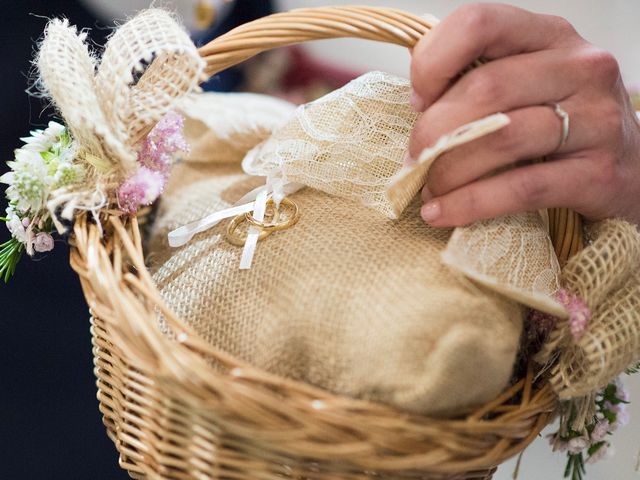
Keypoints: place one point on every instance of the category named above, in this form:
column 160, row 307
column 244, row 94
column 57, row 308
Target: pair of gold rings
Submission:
column 266, row 227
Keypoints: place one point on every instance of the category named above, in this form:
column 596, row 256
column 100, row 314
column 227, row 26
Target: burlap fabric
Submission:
column 344, row 143
column 148, row 65
column 348, row 299
column 605, row 275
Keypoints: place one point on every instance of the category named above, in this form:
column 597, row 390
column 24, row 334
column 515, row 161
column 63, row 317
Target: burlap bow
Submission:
column 148, row 65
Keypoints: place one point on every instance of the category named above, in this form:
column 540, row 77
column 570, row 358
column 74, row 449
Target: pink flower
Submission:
column 622, row 417
column 578, row 444
column 43, row 242
column 155, row 157
column 142, row 188
column 600, row 431
column 598, row 454
column 163, row 142
column 579, row 313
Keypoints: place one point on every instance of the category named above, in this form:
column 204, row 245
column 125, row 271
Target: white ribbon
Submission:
column 252, row 237
column 255, row 201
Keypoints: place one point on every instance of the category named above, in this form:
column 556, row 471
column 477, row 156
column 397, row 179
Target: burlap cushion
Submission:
column 348, row 299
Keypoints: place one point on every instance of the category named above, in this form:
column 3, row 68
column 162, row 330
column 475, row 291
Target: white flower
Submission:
column 43, row 164
column 43, row 242
column 67, row 174
column 16, row 227
column 43, row 140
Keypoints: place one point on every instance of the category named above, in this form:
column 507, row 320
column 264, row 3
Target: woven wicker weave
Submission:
column 177, row 408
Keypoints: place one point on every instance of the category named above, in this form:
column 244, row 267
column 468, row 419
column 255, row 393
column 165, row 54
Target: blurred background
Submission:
column 50, row 427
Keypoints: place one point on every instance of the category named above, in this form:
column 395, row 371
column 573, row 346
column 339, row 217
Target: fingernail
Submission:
column 430, row 211
column 408, row 160
column 416, row 101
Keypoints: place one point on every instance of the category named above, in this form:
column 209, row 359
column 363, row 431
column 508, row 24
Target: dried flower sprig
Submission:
column 591, row 444
column 48, row 163
column 45, row 163
column 155, row 157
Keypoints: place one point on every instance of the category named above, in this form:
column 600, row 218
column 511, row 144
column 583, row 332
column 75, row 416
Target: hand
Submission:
column 534, row 60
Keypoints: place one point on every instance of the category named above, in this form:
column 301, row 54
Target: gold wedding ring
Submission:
column 266, row 228
column 238, row 240
column 275, row 225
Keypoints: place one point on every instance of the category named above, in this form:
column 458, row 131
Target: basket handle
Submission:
column 387, row 25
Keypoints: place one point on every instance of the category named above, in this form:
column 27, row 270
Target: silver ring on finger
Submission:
column 564, row 118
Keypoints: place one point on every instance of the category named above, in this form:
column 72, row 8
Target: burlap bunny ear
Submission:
column 67, row 76
column 148, row 65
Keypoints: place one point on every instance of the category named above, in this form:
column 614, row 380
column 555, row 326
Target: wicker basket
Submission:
column 177, row 408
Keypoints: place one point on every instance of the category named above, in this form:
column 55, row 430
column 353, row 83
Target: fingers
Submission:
column 543, row 185
column 500, row 86
column 482, row 30
column 533, row 133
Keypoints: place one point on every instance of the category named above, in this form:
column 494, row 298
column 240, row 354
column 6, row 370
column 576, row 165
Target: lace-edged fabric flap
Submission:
column 512, row 255
column 348, row 143
column 408, row 181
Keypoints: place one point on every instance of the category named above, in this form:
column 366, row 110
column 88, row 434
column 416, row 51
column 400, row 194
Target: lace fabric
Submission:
column 352, row 143
column 348, row 143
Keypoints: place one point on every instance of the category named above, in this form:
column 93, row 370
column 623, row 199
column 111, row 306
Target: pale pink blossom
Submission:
column 155, row 158
column 598, row 454
column 622, row 417
column 163, row 142
column 43, row 242
column 142, row 188
column 600, row 431
column 578, row 444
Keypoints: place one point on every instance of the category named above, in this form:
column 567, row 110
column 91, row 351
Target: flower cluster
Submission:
column 49, row 161
column 591, row 444
column 45, row 163
column 155, row 158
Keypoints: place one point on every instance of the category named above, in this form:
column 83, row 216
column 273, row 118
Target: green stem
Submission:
column 10, row 253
